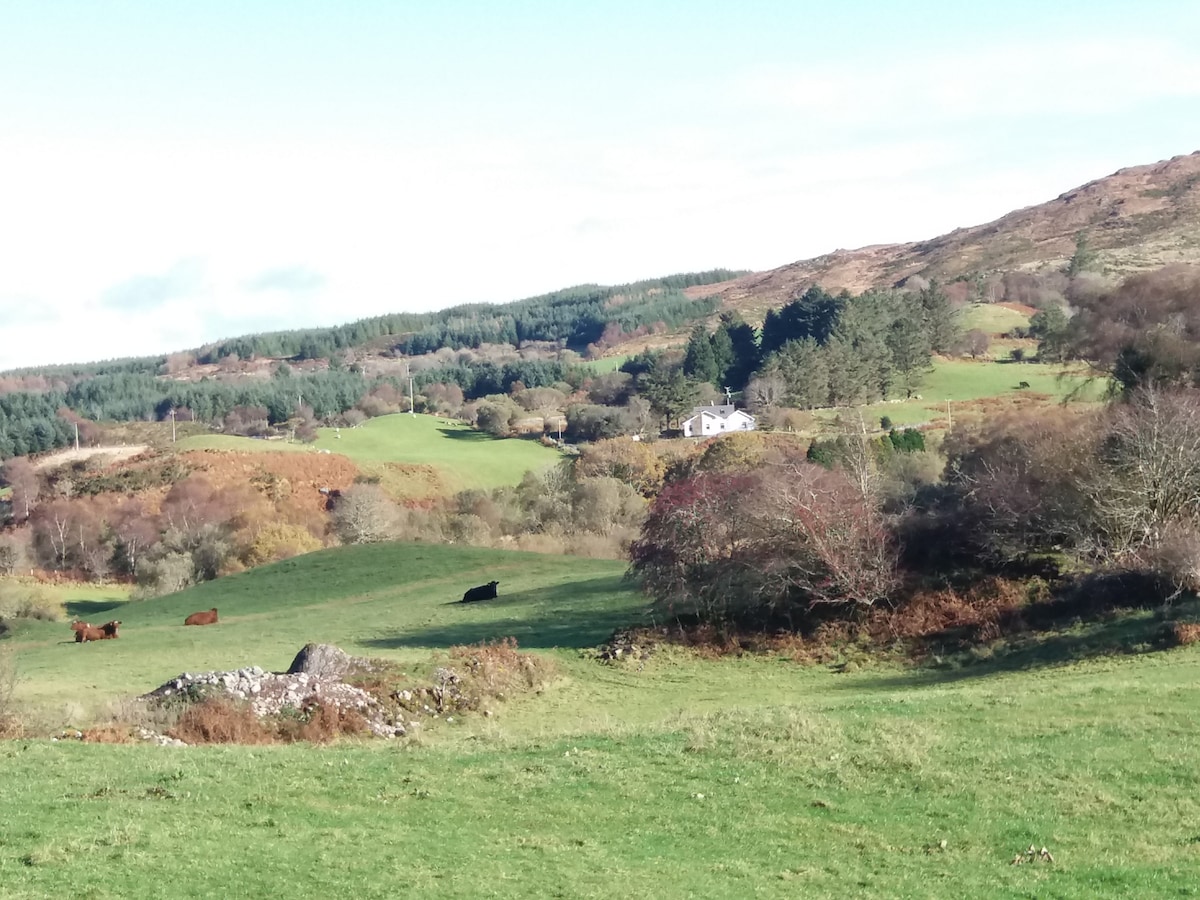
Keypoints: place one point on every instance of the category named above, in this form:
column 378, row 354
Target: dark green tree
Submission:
column 699, row 362
column 1084, row 258
column 670, row 392
column 908, row 342
column 724, row 357
column 940, row 320
column 1050, row 327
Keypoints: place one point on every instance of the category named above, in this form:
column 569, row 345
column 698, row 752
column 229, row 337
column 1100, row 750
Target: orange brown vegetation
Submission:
column 108, row 734
column 638, row 463
column 221, row 721
column 299, row 476
column 412, row 483
column 1185, row 633
column 497, row 668
column 218, row 721
column 980, row 613
column 983, row 612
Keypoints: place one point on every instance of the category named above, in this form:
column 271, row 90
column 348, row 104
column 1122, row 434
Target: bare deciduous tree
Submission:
column 1148, row 472
column 19, row 474
column 364, row 514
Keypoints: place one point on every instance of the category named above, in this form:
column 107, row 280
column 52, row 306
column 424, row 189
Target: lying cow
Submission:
column 483, row 592
column 85, row 632
column 202, row 618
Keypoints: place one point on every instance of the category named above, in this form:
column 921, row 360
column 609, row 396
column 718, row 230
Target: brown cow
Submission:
column 85, row 632
column 202, row 618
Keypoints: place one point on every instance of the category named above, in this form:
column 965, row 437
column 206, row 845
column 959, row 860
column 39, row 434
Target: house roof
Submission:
column 717, row 412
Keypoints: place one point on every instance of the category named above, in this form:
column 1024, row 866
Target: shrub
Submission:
column 319, row 723
column 1184, row 633
column 768, row 545
column 496, row 669
column 219, row 721
column 277, row 541
column 28, row 601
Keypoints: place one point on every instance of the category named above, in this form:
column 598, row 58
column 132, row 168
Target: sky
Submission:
column 173, row 174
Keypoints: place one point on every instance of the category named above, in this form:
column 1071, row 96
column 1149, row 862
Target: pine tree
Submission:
column 699, row 362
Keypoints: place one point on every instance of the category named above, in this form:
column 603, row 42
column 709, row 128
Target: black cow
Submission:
column 483, row 592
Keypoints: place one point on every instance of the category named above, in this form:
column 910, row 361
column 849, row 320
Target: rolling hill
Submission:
column 1136, row 219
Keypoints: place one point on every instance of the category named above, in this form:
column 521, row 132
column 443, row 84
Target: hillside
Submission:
column 673, row 776
column 1136, row 219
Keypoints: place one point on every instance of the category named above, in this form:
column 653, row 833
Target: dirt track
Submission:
column 117, row 454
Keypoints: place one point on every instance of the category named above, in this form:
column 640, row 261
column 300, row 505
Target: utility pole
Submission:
column 412, row 407
column 76, row 435
column 949, row 418
column 172, row 424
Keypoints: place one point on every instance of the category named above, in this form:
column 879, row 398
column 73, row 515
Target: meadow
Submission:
column 461, row 456
column 675, row 777
column 972, row 387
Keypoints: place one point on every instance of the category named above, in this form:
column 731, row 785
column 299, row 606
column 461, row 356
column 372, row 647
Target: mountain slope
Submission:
column 1136, row 219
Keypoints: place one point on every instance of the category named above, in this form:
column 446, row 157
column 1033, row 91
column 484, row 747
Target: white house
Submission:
column 706, row 420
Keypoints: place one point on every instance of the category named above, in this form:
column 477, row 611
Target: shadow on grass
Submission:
column 82, row 609
column 539, row 619
column 1129, row 634
column 459, row 434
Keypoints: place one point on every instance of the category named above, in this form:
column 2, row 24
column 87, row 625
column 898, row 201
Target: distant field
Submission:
column 963, row 382
column 991, row 318
column 462, row 457
column 679, row 777
column 605, row 364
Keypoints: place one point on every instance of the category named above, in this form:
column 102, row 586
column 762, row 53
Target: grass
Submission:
column 991, row 319
column 605, row 364
column 740, row 777
column 393, row 600
column 461, row 456
column 969, row 381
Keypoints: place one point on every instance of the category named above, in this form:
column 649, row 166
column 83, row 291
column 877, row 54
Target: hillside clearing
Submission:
column 110, row 454
column 978, row 387
column 449, row 456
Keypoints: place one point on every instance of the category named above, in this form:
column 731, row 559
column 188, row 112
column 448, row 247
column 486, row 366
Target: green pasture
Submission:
column 392, row 600
column 462, row 456
column 991, row 319
column 605, row 364
column 680, row 777
column 963, row 381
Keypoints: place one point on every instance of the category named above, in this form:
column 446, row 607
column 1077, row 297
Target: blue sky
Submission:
column 173, row 174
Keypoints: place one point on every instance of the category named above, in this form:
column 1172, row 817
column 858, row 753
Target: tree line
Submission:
column 1105, row 502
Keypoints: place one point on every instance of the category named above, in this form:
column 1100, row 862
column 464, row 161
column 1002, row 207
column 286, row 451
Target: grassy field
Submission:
column 463, row 457
column 991, row 319
column 965, row 383
column 605, row 364
column 749, row 776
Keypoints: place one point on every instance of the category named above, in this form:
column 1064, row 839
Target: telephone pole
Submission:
column 412, row 407
column 172, row 424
